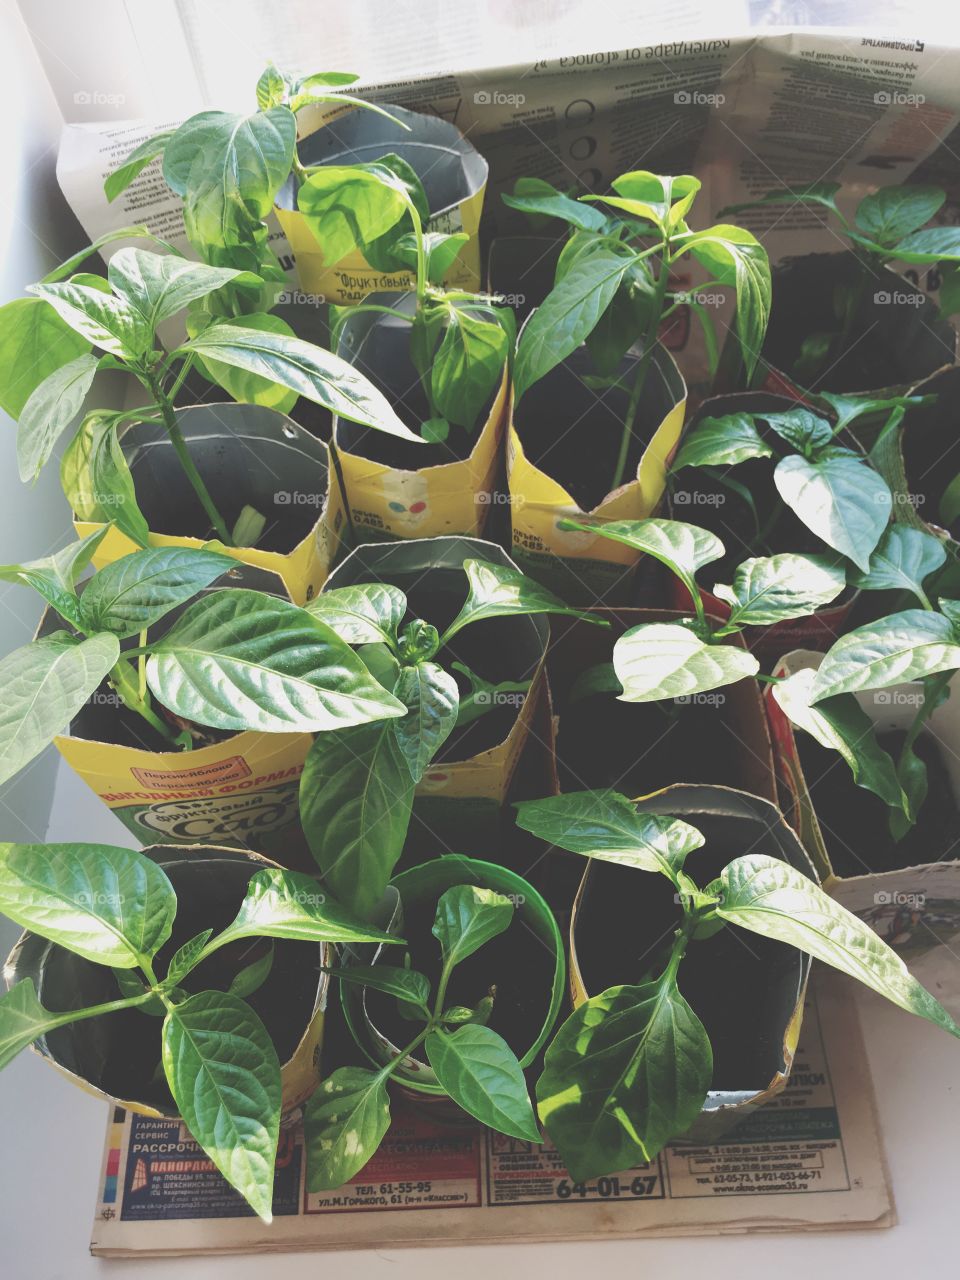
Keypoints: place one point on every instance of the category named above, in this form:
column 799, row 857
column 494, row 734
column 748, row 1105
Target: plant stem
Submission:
column 392, row 1067
column 127, row 685
column 649, row 343
column 183, row 454
column 97, row 1010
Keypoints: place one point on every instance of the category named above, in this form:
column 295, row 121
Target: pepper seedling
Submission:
column 357, row 786
column 915, row 644
column 613, row 287
column 657, row 660
column 459, row 341
column 832, row 489
column 347, row 1117
column 115, row 907
column 234, row 659
column 120, row 315
column 888, row 226
column 632, row 1066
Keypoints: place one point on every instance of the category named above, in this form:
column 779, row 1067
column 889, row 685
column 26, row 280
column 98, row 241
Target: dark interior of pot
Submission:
column 898, row 337
column 522, row 270
column 247, row 456
column 548, row 413
column 744, row 988
column 119, row 1053
column 930, row 444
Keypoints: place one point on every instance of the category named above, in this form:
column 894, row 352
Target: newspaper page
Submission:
column 809, row 1160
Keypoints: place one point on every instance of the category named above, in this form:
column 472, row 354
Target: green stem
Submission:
column 392, row 1067
column 183, row 454
column 97, row 1010
column 127, row 685
column 181, row 376
column 933, row 686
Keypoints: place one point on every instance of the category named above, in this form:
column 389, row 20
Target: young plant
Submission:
column 658, row 660
column 349, row 1114
column 459, row 341
column 55, row 368
column 915, row 644
column 356, row 791
column 234, row 659
column 613, row 286
column 888, row 226
column 115, row 907
column 632, row 1066
column 832, row 489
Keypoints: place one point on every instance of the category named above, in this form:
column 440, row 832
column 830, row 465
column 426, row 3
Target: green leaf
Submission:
column 132, row 986
column 22, row 1019
column 805, row 430
column 432, row 697
column 769, row 897
column 159, row 285
column 117, row 182
column 110, row 905
column 665, row 660
column 346, row 206
column 902, row 559
column 291, row 905
column 186, row 958
column 252, row 977
column 734, row 256
column 719, row 442
column 770, row 589
column 356, row 794
column 97, row 482
column 52, row 406
column 271, row 88
column 310, row 371
column 242, row 385
column 34, row 343
column 622, row 324
column 840, row 499
column 841, row 724
column 107, row 321
column 821, row 193
column 132, row 593
column 370, row 613
column 467, row 917
column 224, row 1074
column 343, row 1126
column 45, row 684
column 405, row 984
column 533, row 195
column 606, row 825
column 55, row 577
column 569, row 313
column 627, row 1071
column 441, row 253
column 228, row 168
column 497, row 591
column 480, row 1072
column 894, row 212
column 239, row 659
column 849, row 408
column 664, row 201
column 467, row 367
column 484, row 695
column 683, row 548
column 936, row 244
column 902, row 646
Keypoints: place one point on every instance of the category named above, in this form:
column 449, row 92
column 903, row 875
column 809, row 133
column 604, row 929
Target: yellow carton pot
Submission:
column 454, row 177
column 247, row 455
column 553, row 438
column 100, row 1055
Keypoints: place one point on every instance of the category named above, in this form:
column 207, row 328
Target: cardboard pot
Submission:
column 749, row 997
column 562, row 447
column 396, row 488
column 247, row 455
column 468, row 782
column 898, row 338
column 697, row 498
column 908, row 893
column 113, row 1056
column 717, row 737
column 240, row 789
column 529, row 955
column 454, row 177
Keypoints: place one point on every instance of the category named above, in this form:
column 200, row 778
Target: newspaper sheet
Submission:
column 810, row 1160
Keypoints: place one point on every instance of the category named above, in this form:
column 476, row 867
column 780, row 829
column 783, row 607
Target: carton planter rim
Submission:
column 31, row 955
column 235, row 458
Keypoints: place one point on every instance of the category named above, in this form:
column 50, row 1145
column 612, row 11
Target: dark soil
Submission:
column 120, row 1052
column 741, row 986
column 853, row 821
column 516, row 962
